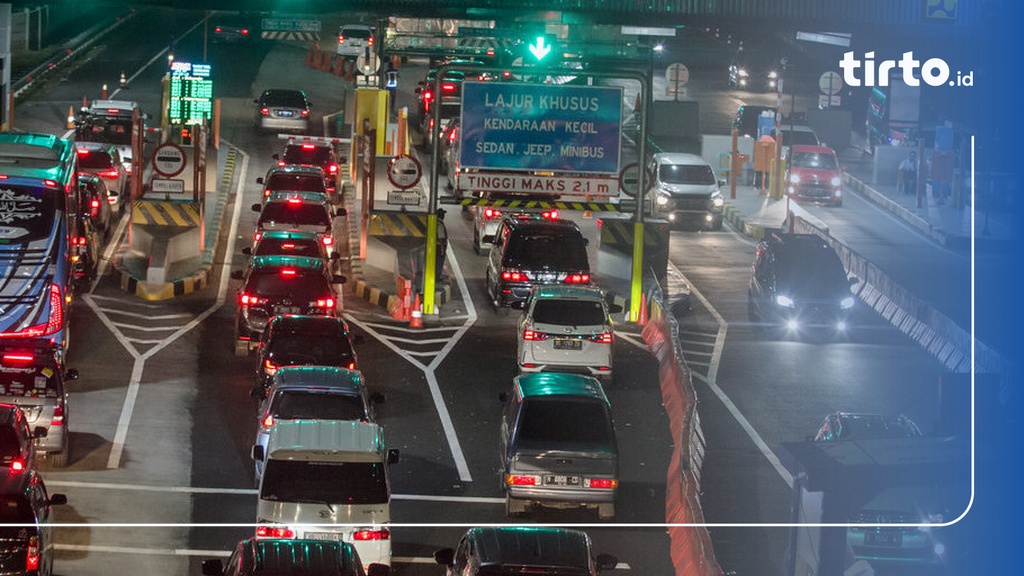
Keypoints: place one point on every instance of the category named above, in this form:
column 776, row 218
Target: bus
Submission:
column 39, row 226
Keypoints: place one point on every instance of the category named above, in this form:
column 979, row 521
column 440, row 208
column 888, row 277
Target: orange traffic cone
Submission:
column 642, row 318
column 416, row 318
column 71, row 117
column 85, row 101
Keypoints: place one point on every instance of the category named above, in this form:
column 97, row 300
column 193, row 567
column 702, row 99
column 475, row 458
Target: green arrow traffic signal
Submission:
column 540, row 48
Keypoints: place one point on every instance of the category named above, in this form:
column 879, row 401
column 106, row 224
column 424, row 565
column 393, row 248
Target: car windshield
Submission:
column 813, row 160
column 94, row 160
column 547, row 248
column 9, row 449
column 329, row 349
column 27, row 213
column 564, row 424
column 686, row 174
column 302, row 287
column 298, row 182
column 569, row 312
column 285, row 98
column 294, row 404
column 798, row 137
column 298, row 214
column 812, row 272
column 288, row 247
column 315, row 155
column 865, row 427
column 333, row 482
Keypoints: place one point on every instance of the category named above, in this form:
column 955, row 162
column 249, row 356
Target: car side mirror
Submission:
column 444, row 556
column 257, row 207
column 341, row 212
column 338, row 279
column 39, row 432
column 213, row 567
column 722, row 182
column 259, row 180
column 378, row 569
column 58, row 499
column 71, row 374
column 606, row 562
column 247, row 250
column 257, row 452
column 393, row 455
column 503, row 396
column 236, row 275
column 377, row 398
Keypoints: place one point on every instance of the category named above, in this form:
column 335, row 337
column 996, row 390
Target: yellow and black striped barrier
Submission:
column 619, row 233
column 398, row 224
column 166, row 213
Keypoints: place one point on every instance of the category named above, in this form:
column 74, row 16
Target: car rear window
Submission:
column 299, row 182
column 332, row 482
column 32, row 381
column 547, row 248
column 109, row 130
column 9, row 449
column 298, row 214
column 568, row 312
column 566, row 424
column 94, row 160
column 294, row 404
column 361, row 33
column 685, row 174
column 301, row 288
column 285, row 98
column 288, row 247
column 309, row 349
column 27, row 213
column 317, row 155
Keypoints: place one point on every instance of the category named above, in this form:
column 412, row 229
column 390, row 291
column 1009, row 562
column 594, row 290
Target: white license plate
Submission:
column 330, row 536
column 562, row 480
column 286, row 310
column 284, row 113
column 568, row 344
column 894, row 539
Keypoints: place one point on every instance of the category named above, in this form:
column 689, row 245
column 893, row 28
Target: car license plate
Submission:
column 284, row 112
column 568, row 344
column 286, row 310
column 562, row 480
column 894, row 539
column 329, row 536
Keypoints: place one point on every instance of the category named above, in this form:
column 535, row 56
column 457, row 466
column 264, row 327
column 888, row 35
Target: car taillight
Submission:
column 333, row 168
column 269, row 420
column 218, row 29
column 294, row 201
column 94, row 208
column 245, row 31
column 447, row 87
column 308, row 146
column 549, row 215
column 249, row 300
column 327, row 240
column 82, row 152
column 603, row 338
column 78, row 241
column 270, row 368
column 351, row 366
column 325, row 303
column 369, row 534
column 514, row 276
column 605, row 483
column 32, row 554
column 256, row 237
column 17, row 465
column 577, row 279
column 288, row 272
column 532, row 336
column 53, row 323
column 112, row 174
column 491, row 213
column 264, row 111
column 266, row 193
column 513, row 480
column 305, row 113
column 341, row 39
column 369, row 41
column 16, row 358
column 274, row 532
column 428, row 95
column 58, row 417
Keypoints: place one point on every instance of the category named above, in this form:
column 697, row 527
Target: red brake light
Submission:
column 603, row 338
column 341, row 39
column 325, row 303
column 288, row 272
column 273, row 532
column 109, row 174
column 308, row 146
column 532, row 336
column 288, row 246
column 95, row 203
column 248, row 300
column 514, row 276
column 490, row 213
column 82, row 152
column 256, row 237
column 32, row 554
column 58, row 416
column 427, row 95
column 351, row 366
column 17, row 358
column 550, row 215
column 294, row 201
column 382, row 534
column 369, row 41
column 606, row 483
column 218, row 30
column 78, row 241
column 305, row 112
column 447, row 87
column 521, row 480
column 245, row 31
column 333, row 168
column 327, row 240
column 577, row 279
column 268, row 421
column 17, row 465
column 264, row 111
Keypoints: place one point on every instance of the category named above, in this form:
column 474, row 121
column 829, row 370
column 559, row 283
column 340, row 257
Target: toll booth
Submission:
column 843, row 483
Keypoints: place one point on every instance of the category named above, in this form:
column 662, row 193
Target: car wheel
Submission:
column 60, row 459
column 606, row 511
column 514, row 507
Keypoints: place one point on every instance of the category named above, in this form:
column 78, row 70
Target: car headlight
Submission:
column 717, row 200
column 662, row 199
column 773, row 74
column 742, row 72
column 836, row 181
column 846, row 303
column 794, row 178
column 783, row 300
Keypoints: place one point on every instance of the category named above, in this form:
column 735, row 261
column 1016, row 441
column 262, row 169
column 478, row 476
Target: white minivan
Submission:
column 327, row 480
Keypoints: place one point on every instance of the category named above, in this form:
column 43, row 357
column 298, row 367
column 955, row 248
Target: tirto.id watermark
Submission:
column 934, row 71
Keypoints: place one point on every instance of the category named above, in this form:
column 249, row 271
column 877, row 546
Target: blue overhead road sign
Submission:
column 540, row 127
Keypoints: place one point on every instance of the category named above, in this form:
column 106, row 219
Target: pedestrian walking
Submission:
column 906, row 180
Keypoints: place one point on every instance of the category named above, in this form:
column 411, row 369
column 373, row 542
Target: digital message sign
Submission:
column 191, row 93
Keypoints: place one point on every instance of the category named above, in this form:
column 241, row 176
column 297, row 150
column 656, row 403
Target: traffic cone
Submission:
column 123, row 81
column 85, row 102
column 104, row 92
column 642, row 318
column 71, row 117
column 416, row 318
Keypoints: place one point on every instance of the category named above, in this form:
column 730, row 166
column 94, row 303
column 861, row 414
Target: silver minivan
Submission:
column 327, row 480
column 32, row 378
column 558, row 446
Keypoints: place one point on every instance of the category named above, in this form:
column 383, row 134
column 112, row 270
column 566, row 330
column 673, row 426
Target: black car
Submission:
column 27, row 549
column 275, row 285
column 528, row 252
column 320, row 154
column 296, row 340
column 293, row 178
column 17, row 440
column 524, row 550
column 267, row 556
column 799, row 283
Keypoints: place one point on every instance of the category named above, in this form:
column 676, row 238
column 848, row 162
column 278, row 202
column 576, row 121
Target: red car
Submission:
column 813, row 174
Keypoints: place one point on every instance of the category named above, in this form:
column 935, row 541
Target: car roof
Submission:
column 272, row 554
column 780, row 239
column 517, row 223
column 307, row 196
column 303, row 142
column 855, row 426
column 314, row 439
column 291, row 322
column 531, row 546
column 300, row 168
column 289, row 235
column 276, row 261
column 334, row 378
column 812, row 149
column 559, row 384
column 563, row 291
column 680, row 158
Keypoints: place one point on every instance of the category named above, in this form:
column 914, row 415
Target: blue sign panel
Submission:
column 507, row 126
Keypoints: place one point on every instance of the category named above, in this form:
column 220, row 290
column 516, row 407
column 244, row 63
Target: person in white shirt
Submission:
column 907, row 181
